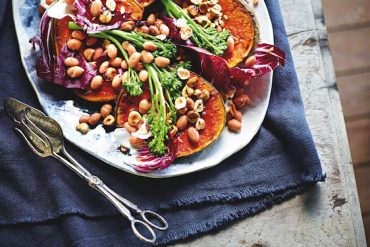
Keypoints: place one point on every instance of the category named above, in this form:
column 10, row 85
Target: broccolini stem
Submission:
column 202, row 36
column 159, row 89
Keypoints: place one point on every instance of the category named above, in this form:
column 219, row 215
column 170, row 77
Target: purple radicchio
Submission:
column 268, row 57
column 50, row 67
column 150, row 162
column 216, row 70
column 44, row 66
column 60, row 76
column 83, row 18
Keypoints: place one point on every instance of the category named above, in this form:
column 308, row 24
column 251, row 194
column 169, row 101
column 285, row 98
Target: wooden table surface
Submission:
column 329, row 214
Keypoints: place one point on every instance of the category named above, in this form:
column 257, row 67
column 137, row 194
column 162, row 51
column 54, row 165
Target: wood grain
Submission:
column 367, row 226
column 354, row 93
column 351, row 50
column 345, row 14
column 329, row 214
column 359, row 140
column 362, row 178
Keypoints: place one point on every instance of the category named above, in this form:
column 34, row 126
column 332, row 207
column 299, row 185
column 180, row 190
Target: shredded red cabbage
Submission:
column 83, row 18
column 150, row 162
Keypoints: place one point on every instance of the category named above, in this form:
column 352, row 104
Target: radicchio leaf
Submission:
column 60, row 76
column 52, row 68
column 268, row 57
column 150, row 162
column 44, row 66
column 174, row 31
column 83, row 18
column 216, row 70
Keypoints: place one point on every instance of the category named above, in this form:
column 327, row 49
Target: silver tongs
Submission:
column 45, row 137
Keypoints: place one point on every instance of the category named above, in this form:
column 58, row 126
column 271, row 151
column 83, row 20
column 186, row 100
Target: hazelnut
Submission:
column 200, row 124
column 134, row 118
column 109, row 121
column 198, row 105
column 192, row 116
column 192, row 82
column 180, row 103
column 183, row 73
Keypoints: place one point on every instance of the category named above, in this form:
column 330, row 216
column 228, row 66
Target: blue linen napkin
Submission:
column 43, row 203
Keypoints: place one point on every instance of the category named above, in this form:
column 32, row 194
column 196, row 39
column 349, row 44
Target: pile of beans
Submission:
column 113, row 70
column 74, row 44
column 154, row 26
column 87, row 121
column 234, row 115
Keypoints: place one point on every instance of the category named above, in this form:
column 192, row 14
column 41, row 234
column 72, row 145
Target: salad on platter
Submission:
column 168, row 75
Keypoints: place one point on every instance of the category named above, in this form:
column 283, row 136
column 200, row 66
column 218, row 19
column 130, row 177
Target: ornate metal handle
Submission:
column 98, row 184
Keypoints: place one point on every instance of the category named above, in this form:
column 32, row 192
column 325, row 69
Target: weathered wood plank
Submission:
column 359, row 139
column 362, row 178
column 342, row 153
column 328, row 215
column 345, row 14
column 367, row 226
column 354, row 93
column 351, row 50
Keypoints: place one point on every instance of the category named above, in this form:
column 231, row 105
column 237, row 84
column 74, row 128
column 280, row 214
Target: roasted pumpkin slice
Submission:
column 61, row 33
column 104, row 94
column 243, row 27
column 134, row 7
column 214, row 115
column 145, row 3
column 126, row 103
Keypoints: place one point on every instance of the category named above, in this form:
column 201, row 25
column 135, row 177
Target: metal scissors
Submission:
column 45, row 138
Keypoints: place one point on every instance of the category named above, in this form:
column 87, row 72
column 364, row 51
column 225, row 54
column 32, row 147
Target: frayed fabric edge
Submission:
column 240, row 195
